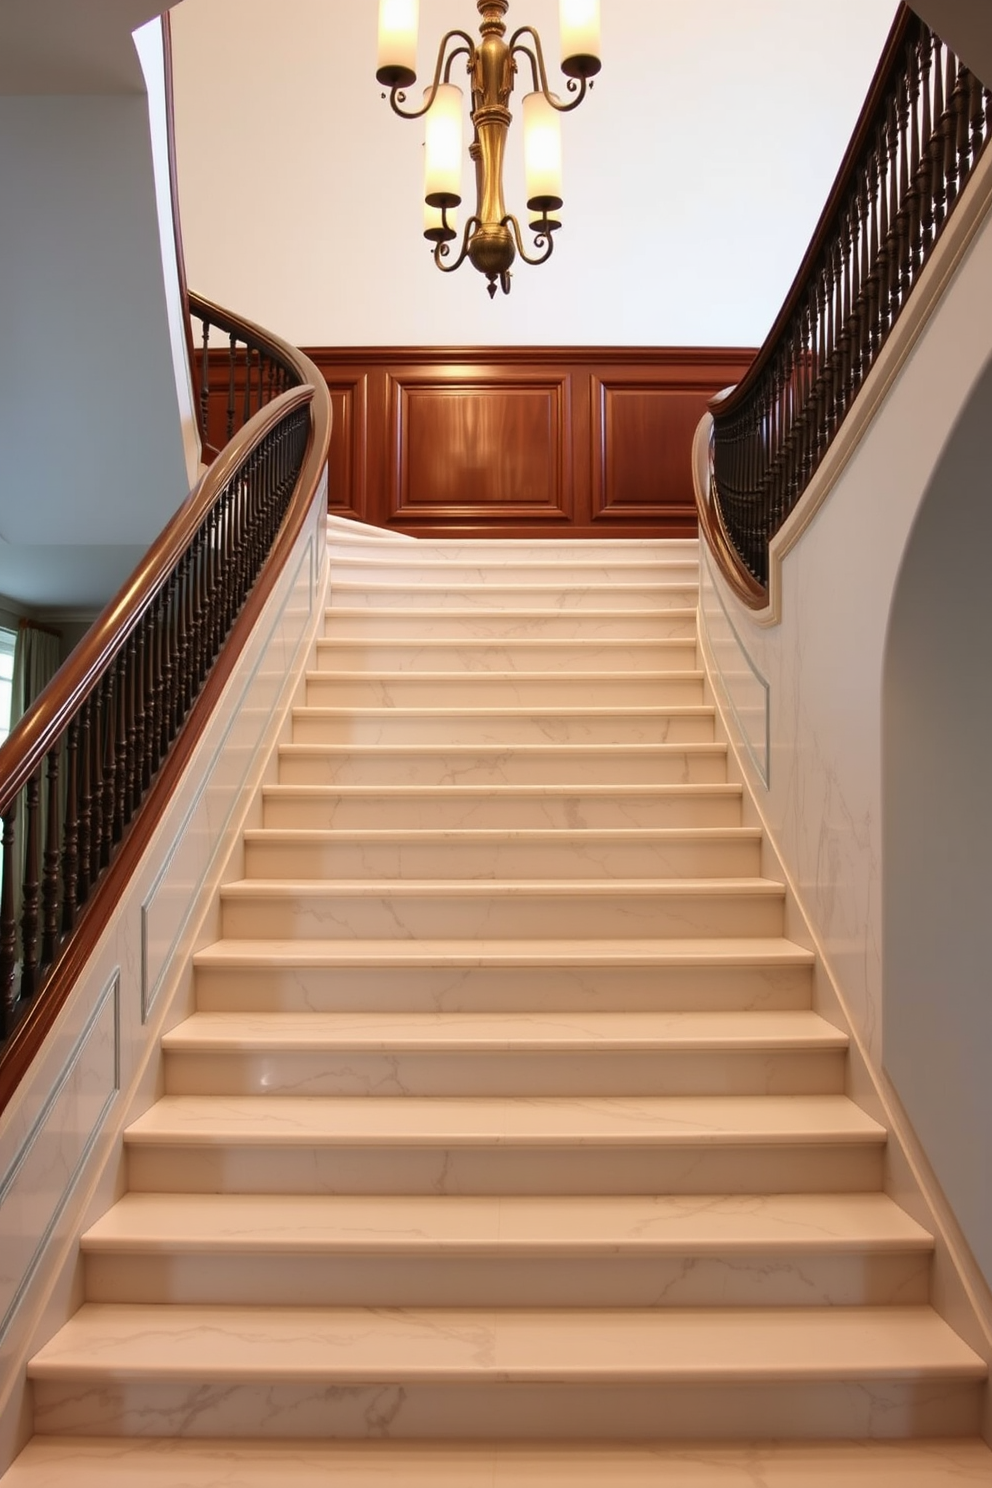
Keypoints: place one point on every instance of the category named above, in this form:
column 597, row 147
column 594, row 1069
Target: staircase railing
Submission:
column 924, row 124
column 253, row 369
column 86, row 773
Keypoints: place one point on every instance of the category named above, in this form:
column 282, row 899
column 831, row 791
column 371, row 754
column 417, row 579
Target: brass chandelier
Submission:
column 492, row 237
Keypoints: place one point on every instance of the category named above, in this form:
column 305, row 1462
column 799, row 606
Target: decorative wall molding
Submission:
column 515, row 441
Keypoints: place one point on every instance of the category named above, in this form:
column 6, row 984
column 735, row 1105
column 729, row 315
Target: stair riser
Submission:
column 351, row 568
column 493, row 728
column 500, row 916
column 499, row 809
column 547, row 692
column 574, row 626
column 499, row 1073
column 552, row 597
column 482, row 989
column 692, row 1168
column 660, row 550
column 723, row 858
column 406, row 1279
column 469, row 1410
column 572, row 658
column 510, row 765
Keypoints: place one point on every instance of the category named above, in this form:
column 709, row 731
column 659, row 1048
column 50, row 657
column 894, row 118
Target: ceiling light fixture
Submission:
column 492, row 237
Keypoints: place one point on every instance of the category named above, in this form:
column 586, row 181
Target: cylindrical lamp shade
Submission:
column 443, row 152
column 397, row 67
column 580, row 45
column 542, row 154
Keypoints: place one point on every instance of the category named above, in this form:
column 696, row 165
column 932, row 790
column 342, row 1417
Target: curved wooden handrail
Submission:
column 733, row 398
column 43, row 730
column 711, row 524
column 922, row 129
column 31, row 739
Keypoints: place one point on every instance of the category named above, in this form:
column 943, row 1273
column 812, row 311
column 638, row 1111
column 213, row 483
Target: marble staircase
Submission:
column 505, row 1146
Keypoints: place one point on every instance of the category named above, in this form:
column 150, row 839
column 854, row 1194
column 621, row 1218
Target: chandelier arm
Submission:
column 398, row 95
column 548, row 236
column 541, row 73
column 441, row 250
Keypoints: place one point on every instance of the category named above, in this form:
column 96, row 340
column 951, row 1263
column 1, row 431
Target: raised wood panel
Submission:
column 347, row 472
column 494, row 451
column 513, row 441
column 640, row 438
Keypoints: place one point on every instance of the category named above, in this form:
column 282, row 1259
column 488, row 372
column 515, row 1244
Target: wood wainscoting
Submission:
column 517, row 441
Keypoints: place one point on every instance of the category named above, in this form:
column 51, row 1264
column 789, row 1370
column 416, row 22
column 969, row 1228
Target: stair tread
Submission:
column 699, row 1345
column 498, row 750
column 664, row 790
column 674, row 952
column 397, row 888
column 136, row 1462
column 468, row 1121
column 569, row 710
column 494, row 1225
column 464, row 1032
column 583, row 835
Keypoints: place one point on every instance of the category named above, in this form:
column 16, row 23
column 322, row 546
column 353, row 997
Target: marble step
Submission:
column 318, row 723
column 502, row 764
column 569, row 570
column 492, row 1145
column 548, row 690
column 465, row 596
column 502, row 853
column 507, row 1054
column 150, row 1462
column 502, row 976
column 414, row 653
column 513, row 807
column 522, row 909
column 790, row 1250
column 503, row 549
column 467, row 1373
column 361, row 622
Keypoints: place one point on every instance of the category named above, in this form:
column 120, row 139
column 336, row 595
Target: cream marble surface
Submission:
column 514, row 909
column 130, row 1463
column 635, row 853
column 566, row 625
column 591, row 596
column 558, row 807
column 465, row 725
column 501, row 764
column 496, row 689
column 380, row 1345
column 574, row 1032
column 769, row 1121
column 486, row 654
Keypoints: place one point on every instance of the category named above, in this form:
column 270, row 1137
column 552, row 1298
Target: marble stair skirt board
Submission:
column 505, row 1146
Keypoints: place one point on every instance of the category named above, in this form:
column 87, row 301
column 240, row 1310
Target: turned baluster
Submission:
column 50, row 861
column 8, row 923
column 110, row 688
column 205, row 381
column 30, row 888
column 925, row 171
column 84, row 878
column 232, row 360
column 70, row 840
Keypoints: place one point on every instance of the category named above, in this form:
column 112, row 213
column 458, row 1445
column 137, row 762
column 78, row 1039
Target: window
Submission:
column 7, row 639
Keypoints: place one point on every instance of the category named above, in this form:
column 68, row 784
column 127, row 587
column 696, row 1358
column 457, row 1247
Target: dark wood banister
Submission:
column 38, row 733
column 734, row 397
column 923, row 126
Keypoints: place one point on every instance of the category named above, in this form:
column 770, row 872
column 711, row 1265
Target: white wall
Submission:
column 695, row 171
column 830, row 676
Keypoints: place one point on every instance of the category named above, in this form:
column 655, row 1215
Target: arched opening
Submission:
column 937, row 823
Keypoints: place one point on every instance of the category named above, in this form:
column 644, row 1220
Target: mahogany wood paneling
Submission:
column 518, row 441
column 482, row 449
